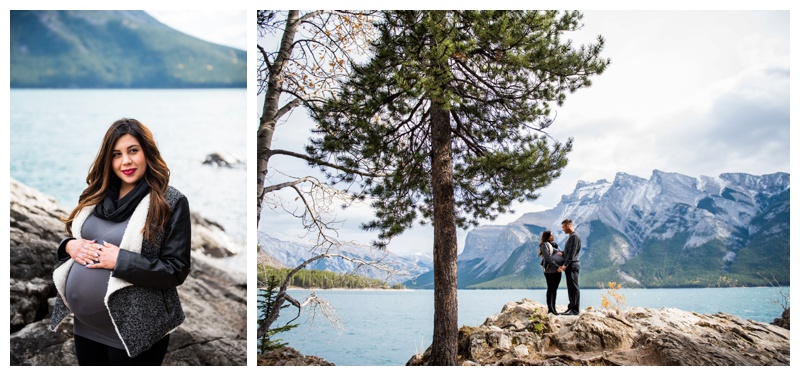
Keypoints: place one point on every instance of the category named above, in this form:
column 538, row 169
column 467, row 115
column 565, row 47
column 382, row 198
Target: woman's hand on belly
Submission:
column 83, row 251
column 107, row 257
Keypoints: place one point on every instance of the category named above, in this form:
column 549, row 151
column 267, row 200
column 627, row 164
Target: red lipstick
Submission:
column 129, row 171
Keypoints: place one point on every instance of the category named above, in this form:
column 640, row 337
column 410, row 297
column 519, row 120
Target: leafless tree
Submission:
column 782, row 299
column 314, row 50
column 317, row 305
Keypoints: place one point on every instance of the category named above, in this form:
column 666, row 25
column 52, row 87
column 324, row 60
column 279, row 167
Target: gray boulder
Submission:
column 209, row 237
column 222, row 159
column 784, row 320
column 214, row 296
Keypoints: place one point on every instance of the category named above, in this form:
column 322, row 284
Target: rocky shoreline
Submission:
column 214, row 296
column 288, row 356
column 523, row 334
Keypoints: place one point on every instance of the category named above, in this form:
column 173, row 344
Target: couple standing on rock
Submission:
column 555, row 261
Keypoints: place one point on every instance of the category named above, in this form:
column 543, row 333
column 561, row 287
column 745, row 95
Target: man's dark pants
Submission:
column 573, row 288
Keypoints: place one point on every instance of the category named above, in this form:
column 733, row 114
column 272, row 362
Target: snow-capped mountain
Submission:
column 393, row 268
column 668, row 230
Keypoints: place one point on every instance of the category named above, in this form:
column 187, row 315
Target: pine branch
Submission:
column 315, row 161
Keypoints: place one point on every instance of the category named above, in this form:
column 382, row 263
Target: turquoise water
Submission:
column 385, row 328
column 55, row 135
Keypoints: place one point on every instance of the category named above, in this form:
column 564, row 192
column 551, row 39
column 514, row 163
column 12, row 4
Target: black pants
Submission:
column 91, row 353
column 573, row 288
column 553, row 280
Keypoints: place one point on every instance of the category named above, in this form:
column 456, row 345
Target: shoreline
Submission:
column 526, row 289
column 295, row 288
column 341, row 289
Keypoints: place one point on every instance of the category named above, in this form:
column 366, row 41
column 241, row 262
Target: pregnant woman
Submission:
column 552, row 259
column 129, row 246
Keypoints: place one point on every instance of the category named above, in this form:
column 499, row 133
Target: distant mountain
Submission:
column 292, row 252
column 671, row 230
column 267, row 260
column 115, row 49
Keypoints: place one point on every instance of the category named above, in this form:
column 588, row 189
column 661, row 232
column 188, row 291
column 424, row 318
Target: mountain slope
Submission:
column 115, row 49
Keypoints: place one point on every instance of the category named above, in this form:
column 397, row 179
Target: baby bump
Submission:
column 85, row 291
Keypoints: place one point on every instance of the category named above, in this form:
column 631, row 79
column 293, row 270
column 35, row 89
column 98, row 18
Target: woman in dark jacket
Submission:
column 552, row 259
column 129, row 246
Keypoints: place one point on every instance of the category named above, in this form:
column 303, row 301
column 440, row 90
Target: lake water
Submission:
column 55, row 135
column 386, row 328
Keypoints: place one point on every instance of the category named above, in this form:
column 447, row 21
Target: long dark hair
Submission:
column 101, row 175
column 545, row 238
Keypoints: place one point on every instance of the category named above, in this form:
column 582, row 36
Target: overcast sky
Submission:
column 226, row 27
column 692, row 92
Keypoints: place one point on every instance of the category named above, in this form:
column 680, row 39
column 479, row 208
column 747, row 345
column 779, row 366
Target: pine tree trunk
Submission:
column 445, row 242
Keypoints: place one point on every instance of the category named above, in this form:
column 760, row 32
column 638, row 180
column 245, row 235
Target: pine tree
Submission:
column 265, row 305
column 451, row 114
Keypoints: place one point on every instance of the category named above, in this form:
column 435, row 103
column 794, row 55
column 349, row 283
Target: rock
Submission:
column 28, row 301
column 783, row 321
column 222, row 159
column 288, row 356
column 35, row 232
column 209, row 237
column 215, row 329
column 523, row 334
column 214, row 297
column 35, row 345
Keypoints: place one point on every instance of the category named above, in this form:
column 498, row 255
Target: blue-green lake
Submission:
column 385, row 328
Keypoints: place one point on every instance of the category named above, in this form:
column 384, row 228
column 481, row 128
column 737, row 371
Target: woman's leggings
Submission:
column 91, row 353
column 553, row 280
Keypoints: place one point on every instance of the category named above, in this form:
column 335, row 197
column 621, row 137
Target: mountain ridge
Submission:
column 670, row 230
column 115, row 49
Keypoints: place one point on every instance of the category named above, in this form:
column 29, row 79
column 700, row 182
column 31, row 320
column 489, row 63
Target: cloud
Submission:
column 744, row 128
column 226, row 27
column 698, row 93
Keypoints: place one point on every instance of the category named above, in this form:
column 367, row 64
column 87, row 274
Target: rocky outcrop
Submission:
column 35, row 232
column 214, row 296
column 209, row 237
column 782, row 321
column 288, row 356
column 523, row 334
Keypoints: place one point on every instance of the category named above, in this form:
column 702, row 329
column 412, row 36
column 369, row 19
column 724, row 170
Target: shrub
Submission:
column 614, row 300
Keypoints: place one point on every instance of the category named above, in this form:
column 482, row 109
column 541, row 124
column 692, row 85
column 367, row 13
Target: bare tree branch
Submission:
column 299, row 67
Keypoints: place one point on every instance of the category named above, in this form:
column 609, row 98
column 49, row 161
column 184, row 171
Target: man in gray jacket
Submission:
column 572, row 266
